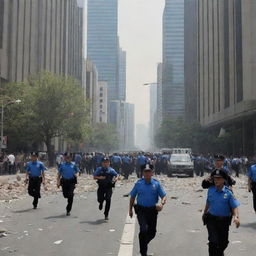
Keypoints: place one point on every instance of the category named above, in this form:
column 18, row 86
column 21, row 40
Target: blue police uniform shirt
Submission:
column 110, row 171
column 68, row 170
column 116, row 159
column 147, row 193
column 126, row 159
column 221, row 202
column 35, row 169
column 252, row 173
column 141, row 160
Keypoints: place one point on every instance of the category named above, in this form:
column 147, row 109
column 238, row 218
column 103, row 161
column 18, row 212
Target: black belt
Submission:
column 219, row 218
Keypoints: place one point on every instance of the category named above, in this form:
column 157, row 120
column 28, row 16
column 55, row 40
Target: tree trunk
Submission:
column 50, row 152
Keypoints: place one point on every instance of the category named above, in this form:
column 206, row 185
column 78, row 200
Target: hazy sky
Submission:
column 140, row 31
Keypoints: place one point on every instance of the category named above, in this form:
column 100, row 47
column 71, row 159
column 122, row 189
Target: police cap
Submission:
column 34, row 153
column 219, row 157
column 67, row 154
column 148, row 167
column 105, row 159
column 219, row 173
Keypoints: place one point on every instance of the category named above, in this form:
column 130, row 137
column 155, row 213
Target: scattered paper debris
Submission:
column 58, row 242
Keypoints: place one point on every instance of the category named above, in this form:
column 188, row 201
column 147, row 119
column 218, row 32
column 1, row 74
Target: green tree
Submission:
column 52, row 106
column 104, row 138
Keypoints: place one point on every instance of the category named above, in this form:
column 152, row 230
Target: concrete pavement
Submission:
column 180, row 229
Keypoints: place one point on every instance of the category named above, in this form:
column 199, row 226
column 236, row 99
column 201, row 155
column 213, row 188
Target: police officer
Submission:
column 34, row 177
column 221, row 205
column 67, row 178
column 219, row 163
column 147, row 190
column 106, row 178
column 126, row 161
column 252, row 183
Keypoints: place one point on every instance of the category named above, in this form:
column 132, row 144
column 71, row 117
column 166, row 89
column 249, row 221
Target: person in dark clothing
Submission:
column 147, row 191
column 219, row 162
column 34, row 177
column 67, row 178
column 221, row 206
column 106, row 178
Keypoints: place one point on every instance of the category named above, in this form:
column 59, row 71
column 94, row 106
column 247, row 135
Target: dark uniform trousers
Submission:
column 105, row 193
column 34, row 186
column 68, row 187
column 147, row 218
column 116, row 167
column 126, row 170
column 218, row 230
column 254, row 195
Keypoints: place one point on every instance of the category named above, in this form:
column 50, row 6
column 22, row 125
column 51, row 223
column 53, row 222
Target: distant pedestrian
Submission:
column 34, row 177
column 147, row 191
column 106, row 178
column 252, row 183
column 221, row 207
column 67, row 178
column 11, row 163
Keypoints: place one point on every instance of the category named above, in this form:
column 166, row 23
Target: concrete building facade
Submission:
column 122, row 75
column 226, row 68
column 102, row 102
column 191, row 60
column 159, row 114
column 173, row 59
column 153, row 113
column 40, row 35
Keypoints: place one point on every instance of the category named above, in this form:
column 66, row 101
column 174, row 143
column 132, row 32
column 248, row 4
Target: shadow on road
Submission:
column 249, row 225
column 57, row 217
column 23, row 211
column 96, row 222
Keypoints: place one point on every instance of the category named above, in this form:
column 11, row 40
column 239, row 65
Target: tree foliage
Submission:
column 178, row 133
column 51, row 106
column 104, row 138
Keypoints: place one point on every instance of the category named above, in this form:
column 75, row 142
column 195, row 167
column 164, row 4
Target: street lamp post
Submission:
column 2, row 119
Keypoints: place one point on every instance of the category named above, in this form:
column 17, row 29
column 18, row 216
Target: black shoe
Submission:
column 68, row 214
column 106, row 217
column 100, row 206
column 34, row 207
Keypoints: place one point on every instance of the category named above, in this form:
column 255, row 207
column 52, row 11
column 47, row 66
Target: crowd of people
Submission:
column 221, row 205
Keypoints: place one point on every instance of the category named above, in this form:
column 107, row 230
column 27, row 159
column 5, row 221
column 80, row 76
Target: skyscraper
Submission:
column 102, row 42
column 173, row 59
column 122, row 75
column 40, row 35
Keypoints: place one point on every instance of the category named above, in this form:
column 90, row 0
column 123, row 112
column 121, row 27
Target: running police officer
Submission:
column 252, row 183
column 147, row 190
column 219, row 164
column 67, row 178
column 106, row 178
column 34, row 177
column 221, row 205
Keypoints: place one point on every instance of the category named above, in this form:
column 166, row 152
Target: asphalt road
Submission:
column 180, row 230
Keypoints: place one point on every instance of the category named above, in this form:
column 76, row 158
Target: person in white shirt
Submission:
column 11, row 163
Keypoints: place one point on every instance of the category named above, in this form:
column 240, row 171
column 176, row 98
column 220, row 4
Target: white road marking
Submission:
column 126, row 246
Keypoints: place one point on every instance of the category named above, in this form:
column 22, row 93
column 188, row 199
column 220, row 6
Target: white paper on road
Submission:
column 58, row 242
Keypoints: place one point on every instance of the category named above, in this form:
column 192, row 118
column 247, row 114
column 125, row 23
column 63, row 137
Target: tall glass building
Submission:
column 173, row 59
column 102, row 41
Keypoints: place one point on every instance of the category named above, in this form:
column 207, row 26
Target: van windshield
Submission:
column 180, row 158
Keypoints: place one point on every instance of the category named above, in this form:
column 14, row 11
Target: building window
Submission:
column 101, row 100
column 101, row 89
column 100, row 119
column 226, row 55
column 101, row 106
column 239, row 52
column 1, row 22
column 101, row 94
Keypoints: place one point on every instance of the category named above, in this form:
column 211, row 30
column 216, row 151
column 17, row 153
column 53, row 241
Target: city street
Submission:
column 28, row 232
